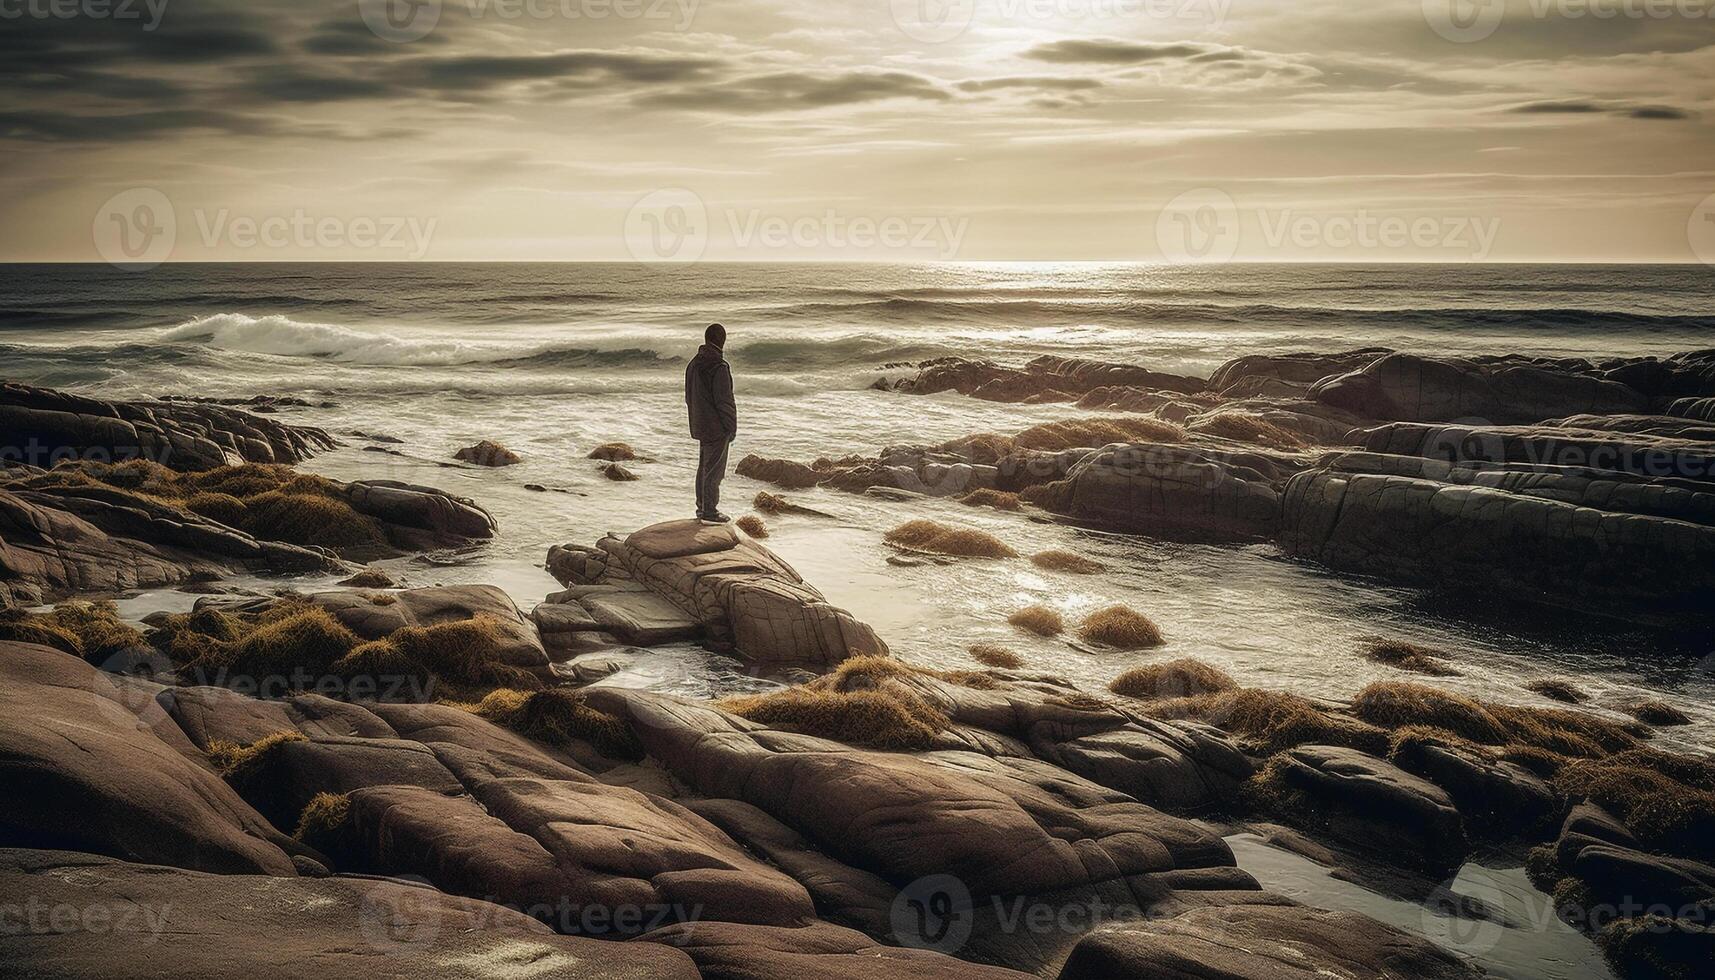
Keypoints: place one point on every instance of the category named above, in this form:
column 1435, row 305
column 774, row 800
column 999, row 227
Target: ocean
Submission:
column 553, row 359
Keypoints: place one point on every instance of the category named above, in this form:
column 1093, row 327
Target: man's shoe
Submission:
column 716, row 518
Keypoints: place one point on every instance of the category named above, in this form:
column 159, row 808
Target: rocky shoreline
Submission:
column 434, row 776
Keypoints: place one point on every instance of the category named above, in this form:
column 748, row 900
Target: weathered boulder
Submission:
column 1259, row 941
column 1173, row 491
column 1001, row 827
column 423, row 517
column 84, row 772
column 1409, row 388
column 157, row 922
column 735, row 591
column 1045, row 378
column 1578, row 539
column 518, row 643
column 1290, row 373
column 1371, row 805
column 488, row 453
column 45, row 426
column 1498, row 799
column 732, row 951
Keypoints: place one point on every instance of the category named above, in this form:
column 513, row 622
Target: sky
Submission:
column 140, row 131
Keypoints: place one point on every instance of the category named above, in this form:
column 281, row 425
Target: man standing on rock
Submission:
column 714, row 419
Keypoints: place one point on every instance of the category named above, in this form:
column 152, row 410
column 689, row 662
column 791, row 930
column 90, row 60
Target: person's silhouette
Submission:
column 714, row 419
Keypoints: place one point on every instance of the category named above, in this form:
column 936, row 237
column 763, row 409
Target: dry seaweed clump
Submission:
column 1408, row 656
column 325, row 824
column 940, row 539
column 1066, row 561
column 556, row 717
column 1652, row 711
column 991, row 655
column 998, row 499
column 752, row 525
column 241, row 763
column 876, row 717
column 1181, row 678
column 91, row 630
column 770, row 503
column 1038, row 619
column 1656, row 947
column 488, row 453
column 613, row 452
column 265, row 500
column 294, row 644
column 1120, row 627
column 1558, row 730
column 1667, row 800
column 1268, row 722
column 1555, row 689
column 1248, row 427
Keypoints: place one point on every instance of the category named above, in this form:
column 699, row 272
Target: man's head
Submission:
column 715, row 334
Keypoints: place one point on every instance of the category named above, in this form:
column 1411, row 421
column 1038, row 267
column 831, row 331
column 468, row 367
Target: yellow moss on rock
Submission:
column 991, row 655
column 926, row 535
column 1039, row 619
column 1181, row 678
column 1120, row 627
column 91, row 630
column 557, row 716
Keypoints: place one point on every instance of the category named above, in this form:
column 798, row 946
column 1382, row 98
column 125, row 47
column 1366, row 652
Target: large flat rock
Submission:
column 82, row 771
column 159, row 922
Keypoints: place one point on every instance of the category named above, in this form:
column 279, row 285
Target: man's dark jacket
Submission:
column 708, row 396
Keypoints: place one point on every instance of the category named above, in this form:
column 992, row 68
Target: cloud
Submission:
column 1103, row 51
column 1037, row 83
column 121, row 127
column 1580, row 107
column 783, row 91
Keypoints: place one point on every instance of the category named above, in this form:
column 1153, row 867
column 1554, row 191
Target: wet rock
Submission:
column 488, row 453
column 1498, row 799
column 1045, row 378
column 780, row 472
column 1173, row 491
column 1288, row 372
column 682, row 578
column 84, row 772
column 1371, row 805
column 421, row 516
column 1254, row 941
column 1001, row 826
column 1600, row 543
column 730, row 951
column 207, row 925
column 1408, row 388
column 49, row 426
